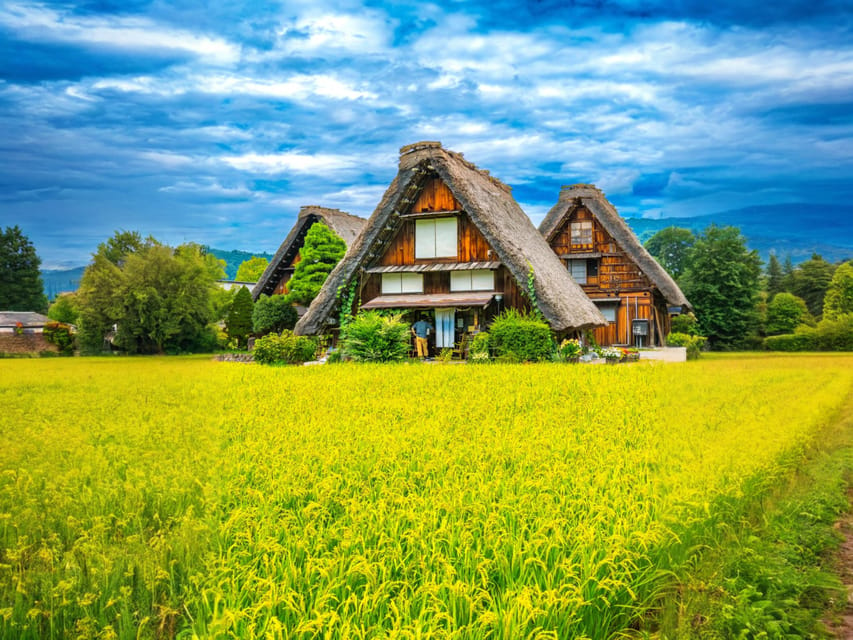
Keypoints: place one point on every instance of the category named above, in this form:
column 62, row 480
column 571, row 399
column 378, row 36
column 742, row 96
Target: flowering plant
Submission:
column 19, row 328
column 571, row 349
column 611, row 353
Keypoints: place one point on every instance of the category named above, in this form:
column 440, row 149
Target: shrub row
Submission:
column 694, row 344
column 829, row 335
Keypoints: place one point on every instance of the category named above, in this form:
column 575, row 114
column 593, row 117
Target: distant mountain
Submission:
column 233, row 259
column 58, row 281
column 797, row 230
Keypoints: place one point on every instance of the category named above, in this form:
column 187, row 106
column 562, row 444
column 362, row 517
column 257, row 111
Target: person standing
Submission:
column 421, row 330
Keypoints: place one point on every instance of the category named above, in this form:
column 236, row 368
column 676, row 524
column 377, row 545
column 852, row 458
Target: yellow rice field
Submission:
column 182, row 497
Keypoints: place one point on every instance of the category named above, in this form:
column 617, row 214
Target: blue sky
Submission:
column 214, row 124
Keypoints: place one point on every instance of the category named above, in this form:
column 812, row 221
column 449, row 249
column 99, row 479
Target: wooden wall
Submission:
column 618, row 277
column 436, row 196
column 281, row 287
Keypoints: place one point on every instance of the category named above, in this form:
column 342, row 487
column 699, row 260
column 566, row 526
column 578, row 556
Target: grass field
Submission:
column 179, row 496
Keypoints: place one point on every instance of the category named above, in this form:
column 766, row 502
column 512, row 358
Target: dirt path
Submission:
column 843, row 626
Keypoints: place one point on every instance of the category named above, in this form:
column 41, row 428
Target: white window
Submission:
column 577, row 269
column 473, row 280
column 582, row 232
column 608, row 310
column 435, row 238
column 402, row 283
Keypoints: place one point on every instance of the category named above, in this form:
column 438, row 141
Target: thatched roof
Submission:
column 28, row 319
column 593, row 199
column 346, row 225
column 491, row 207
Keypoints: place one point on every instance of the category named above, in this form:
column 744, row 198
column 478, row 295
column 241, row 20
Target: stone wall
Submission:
column 26, row 343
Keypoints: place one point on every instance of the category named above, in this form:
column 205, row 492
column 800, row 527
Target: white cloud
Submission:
column 38, row 23
column 290, row 162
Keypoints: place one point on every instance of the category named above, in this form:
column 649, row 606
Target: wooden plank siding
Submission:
column 281, row 287
column 618, row 277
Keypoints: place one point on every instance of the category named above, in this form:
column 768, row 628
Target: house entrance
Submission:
column 445, row 328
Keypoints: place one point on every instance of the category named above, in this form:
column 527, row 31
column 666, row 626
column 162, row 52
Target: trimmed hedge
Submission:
column 829, row 335
column 518, row 337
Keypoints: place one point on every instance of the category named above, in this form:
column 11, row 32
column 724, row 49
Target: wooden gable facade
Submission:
column 604, row 257
column 470, row 280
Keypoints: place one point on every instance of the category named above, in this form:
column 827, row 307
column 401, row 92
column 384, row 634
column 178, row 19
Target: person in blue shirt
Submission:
column 421, row 330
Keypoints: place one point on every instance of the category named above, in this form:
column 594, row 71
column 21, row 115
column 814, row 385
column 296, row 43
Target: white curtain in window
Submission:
column 444, row 328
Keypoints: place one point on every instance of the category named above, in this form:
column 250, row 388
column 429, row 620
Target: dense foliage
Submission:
column 149, row 297
column 321, row 251
column 61, row 335
column 829, row 335
column 693, row 343
column 810, row 281
column 21, row 287
column 64, row 309
column 238, row 321
column 284, row 349
column 159, row 498
column 671, row 248
column 372, row 336
column 839, row 295
column 273, row 314
column 252, row 269
column 722, row 283
column 518, row 337
column 785, row 312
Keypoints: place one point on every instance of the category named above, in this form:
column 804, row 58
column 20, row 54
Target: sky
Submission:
column 214, row 122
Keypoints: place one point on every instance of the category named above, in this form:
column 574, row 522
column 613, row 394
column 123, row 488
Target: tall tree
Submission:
column 839, row 295
column 671, row 247
column 238, row 322
column 156, row 297
column 21, row 286
column 775, row 277
column 252, row 269
column 810, row 280
column 322, row 250
column 722, row 283
column 273, row 314
column 64, row 309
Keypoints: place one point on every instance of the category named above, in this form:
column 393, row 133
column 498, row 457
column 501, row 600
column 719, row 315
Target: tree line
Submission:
column 738, row 302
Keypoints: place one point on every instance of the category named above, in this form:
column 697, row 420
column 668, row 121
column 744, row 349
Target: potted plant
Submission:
column 571, row 350
column 611, row 354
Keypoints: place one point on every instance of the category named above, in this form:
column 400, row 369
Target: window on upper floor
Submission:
column 435, row 238
column 582, row 270
column 581, row 232
column 402, row 283
column 472, row 280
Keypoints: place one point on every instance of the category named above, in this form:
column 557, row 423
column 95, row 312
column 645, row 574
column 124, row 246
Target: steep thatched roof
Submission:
column 491, row 207
column 593, row 199
column 347, row 226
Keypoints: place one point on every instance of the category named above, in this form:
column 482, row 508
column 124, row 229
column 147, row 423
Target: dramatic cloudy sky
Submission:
column 213, row 122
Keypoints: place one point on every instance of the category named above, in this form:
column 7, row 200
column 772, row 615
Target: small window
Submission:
column 581, row 232
column 474, row 280
column 608, row 310
column 402, row 283
column 435, row 238
column 577, row 269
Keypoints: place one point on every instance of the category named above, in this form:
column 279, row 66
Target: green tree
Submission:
column 64, row 309
column 839, row 296
column 238, row 322
column 722, row 283
column 671, row 248
column 810, row 281
column 154, row 298
column 273, row 314
column 775, row 276
column 787, row 274
column 21, row 286
column 322, row 250
column 252, row 269
column 785, row 312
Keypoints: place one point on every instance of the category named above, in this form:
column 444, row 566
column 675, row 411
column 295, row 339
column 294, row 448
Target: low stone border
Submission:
column 234, row 357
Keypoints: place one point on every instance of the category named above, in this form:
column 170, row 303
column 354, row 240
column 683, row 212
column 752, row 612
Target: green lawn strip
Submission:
column 765, row 567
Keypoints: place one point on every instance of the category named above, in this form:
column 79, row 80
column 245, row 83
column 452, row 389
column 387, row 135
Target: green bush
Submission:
column 284, row 349
column 685, row 323
column 479, row 344
column 372, row 337
column 518, row 337
column 836, row 335
column 694, row 344
column 60, row 334
column 803, row 339
column 273, row 314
